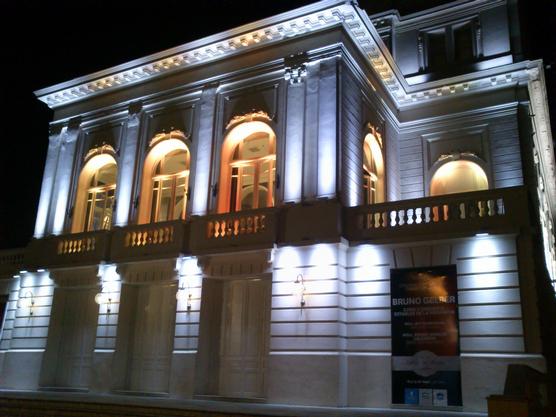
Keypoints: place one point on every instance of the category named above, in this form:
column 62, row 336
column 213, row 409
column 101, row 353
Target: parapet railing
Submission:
column 479, row 211
column 152, row 239
column 500, row 210
column 246, row 228
column 70, row 249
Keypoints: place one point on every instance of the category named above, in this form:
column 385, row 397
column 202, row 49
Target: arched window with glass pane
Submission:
column 95, row 199
column 458, row 176
column 165, row 180
column 169, row 190
column 373, row 170
column 248, row 169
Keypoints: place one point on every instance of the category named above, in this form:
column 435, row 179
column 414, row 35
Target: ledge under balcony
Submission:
column 248, row 229
column 11, row 261
column 150, row 241
column 85, row 248
column 503, row 210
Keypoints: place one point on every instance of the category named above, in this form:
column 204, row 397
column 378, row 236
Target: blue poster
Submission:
column 425, row 337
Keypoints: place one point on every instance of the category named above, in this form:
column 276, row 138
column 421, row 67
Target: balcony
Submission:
column 69, row 250
column 452, row 215
column 448, row 216
column 250, row 229
column 150, row 241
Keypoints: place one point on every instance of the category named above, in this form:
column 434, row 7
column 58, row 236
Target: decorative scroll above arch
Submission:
column 173, row 134
column 100, row 150
column 259, row 116
column 370, row 129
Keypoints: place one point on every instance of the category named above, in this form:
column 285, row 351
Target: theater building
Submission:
column 227, row 220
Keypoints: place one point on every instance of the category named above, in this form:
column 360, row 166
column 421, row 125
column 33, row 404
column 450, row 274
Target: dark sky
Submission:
column 44, row 43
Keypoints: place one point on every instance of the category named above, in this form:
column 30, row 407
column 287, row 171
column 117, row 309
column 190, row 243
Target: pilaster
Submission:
column 55, row 138
column 63, row 177
column 127, row 162
column 202, row 150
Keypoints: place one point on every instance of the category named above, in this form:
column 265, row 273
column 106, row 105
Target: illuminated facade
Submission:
column 219, row 221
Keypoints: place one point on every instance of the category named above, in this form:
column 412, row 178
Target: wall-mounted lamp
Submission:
column 299, row 289
column 184, row 294
column 104, row 298
column 28, row 301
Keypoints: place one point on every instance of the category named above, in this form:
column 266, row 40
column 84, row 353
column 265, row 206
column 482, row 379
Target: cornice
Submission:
column 298, row 22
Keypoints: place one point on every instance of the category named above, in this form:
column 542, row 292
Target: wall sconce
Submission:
column 184, row 294
column 28, row 301
column 104, row 298
column 299, row 289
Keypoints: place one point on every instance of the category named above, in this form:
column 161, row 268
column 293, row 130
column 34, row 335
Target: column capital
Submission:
column 295, row 67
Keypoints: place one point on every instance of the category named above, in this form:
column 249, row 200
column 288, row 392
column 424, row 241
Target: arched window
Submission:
column 373, row 170
column 248, row 168
column 95, row 195
column 165, row 179
column 458, row 176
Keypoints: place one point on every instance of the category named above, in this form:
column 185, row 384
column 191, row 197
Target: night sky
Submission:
column 44, row 43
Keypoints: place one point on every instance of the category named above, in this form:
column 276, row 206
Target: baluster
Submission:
column 126, row 240
column 263, row 222
column 249, row 224
column 489, row 208
column 255, row 224
column 400, row 218
column 217, row 229
column 384, row 219
column 418, row 215
column 60, row 247
column 209, row 229
column 229, row 226
column 481, row 208
column 94, row 242
column 171, row 233
column 155, row 236
column 242, row 226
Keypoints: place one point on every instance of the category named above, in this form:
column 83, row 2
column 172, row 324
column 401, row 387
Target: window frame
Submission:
column 95, row 160
column 249, row 126
column 448, row 29
column 161, row 145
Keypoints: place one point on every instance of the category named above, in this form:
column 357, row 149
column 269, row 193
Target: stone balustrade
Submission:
column 250, row 228
column 71, row 249
column 496, row 211
column 464, row 213
column 154, row 240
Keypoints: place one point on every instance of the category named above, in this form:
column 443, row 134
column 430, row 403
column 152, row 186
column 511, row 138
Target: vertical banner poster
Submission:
column 425, row 337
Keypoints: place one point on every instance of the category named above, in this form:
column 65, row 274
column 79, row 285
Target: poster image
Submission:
column 425, row 337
